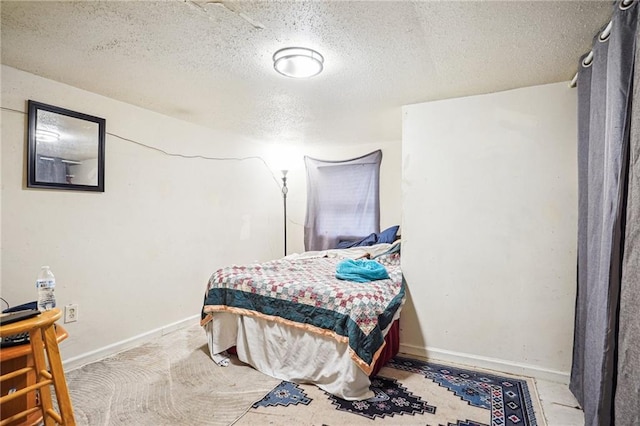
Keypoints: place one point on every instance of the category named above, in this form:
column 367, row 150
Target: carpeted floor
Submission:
column 169, row 381
column 173, row 381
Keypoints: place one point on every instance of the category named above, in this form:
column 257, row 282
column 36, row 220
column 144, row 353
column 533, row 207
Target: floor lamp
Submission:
column 284, row 200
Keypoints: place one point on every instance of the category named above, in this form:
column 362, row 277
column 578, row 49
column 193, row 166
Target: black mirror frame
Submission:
column 33, row 108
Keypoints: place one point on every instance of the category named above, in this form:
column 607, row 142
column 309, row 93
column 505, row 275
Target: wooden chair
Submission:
column 43, row 341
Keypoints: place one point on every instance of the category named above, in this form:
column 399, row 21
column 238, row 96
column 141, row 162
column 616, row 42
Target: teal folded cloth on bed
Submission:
column 361, row 270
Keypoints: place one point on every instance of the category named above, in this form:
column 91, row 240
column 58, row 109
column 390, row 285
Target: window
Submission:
column 343, row 200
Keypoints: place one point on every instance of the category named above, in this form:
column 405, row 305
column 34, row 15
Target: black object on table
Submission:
column 20, row 338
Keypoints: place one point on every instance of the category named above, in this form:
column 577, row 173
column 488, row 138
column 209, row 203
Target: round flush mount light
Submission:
column 43, row 135
column 298, row 62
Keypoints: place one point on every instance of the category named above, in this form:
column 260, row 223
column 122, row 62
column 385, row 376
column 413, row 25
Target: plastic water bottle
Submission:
column 46, row 284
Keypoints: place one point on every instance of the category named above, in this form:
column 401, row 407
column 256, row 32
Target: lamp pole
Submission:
column 284, row 200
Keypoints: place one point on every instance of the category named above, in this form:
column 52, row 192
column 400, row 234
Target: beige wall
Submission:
column 136, row 258
column 490, row 217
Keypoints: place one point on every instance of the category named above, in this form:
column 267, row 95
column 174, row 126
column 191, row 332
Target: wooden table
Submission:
column 15, row 358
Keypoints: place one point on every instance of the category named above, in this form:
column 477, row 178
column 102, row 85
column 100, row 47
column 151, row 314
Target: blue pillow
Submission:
column 369, row 240
column 388, row 235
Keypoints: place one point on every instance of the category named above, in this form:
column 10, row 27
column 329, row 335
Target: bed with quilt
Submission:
column 329, row 318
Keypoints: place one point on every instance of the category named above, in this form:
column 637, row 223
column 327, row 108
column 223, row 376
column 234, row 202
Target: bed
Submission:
column 292, row 318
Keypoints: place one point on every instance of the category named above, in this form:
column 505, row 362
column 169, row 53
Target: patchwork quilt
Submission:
column 305, row 293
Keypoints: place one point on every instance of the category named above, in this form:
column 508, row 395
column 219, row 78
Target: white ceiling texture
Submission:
column 210, row 62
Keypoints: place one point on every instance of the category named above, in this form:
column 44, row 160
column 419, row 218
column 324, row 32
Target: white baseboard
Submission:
column 123, row 345
column 495, row 364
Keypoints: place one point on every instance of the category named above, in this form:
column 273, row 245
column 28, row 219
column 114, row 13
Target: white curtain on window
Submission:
column 343, row 200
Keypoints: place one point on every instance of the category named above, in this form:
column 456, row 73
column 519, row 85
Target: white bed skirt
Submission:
column 289, row 353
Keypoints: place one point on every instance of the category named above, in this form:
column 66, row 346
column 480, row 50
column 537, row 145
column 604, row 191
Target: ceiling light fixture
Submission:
column 298, row 62
column 43, row 135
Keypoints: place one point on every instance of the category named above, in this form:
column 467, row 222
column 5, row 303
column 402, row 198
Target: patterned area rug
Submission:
column 411, row 392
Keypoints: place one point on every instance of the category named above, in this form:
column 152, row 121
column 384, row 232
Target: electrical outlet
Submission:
column 71, row 313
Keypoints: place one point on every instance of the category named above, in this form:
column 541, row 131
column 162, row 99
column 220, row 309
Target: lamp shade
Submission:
column 298, row 62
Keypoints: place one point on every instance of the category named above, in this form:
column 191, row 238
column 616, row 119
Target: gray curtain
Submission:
column 343, row 200
column 51, row 170
column 627, row 396
column 604, row 105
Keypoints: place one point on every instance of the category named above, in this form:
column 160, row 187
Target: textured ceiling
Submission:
column 210, row 62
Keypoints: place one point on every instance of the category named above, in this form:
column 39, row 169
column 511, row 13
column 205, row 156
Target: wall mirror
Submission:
column 65, row 149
